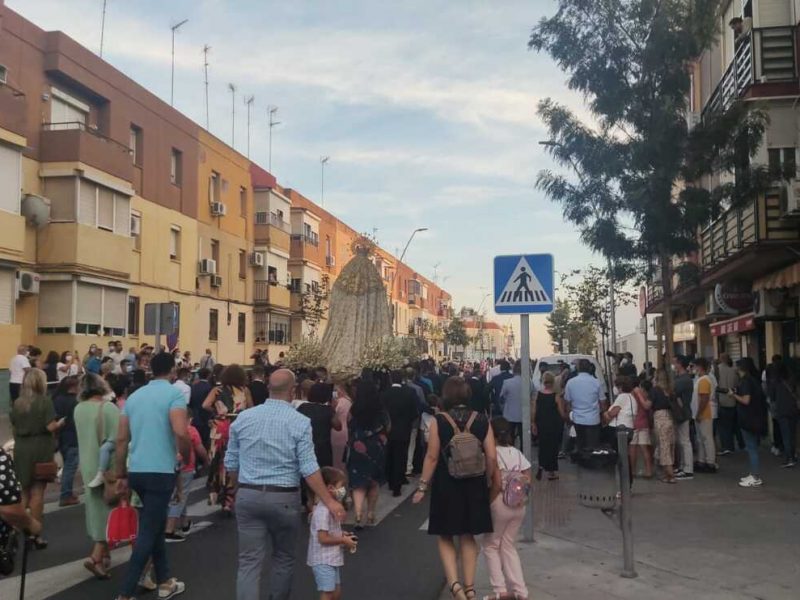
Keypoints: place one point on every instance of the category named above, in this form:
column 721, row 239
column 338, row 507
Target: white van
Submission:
column 555, row 361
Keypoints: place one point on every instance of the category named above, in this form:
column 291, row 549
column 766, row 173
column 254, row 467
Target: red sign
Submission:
column 737, row 325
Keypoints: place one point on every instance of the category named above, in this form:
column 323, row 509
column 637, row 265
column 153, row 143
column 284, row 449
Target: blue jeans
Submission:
column 788, row 426
column 266, row 519
column 70, row 456
column 751, row 442
column 155, row 491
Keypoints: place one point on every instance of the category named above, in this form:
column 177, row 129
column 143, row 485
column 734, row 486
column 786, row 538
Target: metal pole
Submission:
column 625, row 513
column 525, row 343
column 103, row 28
column 613, row 306
column 206, row 48
column 172, row 75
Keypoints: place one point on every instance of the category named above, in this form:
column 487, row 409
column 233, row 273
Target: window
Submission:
column 241, row 328
column 242, row 264
column 782, row 163
column 243, row 201
column 133, row 316
column 135, row 144
column 98, row 309
column 10, row 178
column 213, row 324
column 66, row 111
column 260, row 326
column 175, row 242
column 215, row 252
column 296, row 285
column 105, row 209
column 279, row 330
column 214, row 182
column 176, row 167
column 328, row 252
column 101, row 207
column 279, row 214
column 7, row 296
column 272, row 275
column 136, row 230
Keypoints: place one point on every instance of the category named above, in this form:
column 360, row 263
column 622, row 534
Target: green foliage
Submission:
column 314, row 305
column 455, row 334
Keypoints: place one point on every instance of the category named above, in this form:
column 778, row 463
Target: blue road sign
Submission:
column 523, row 284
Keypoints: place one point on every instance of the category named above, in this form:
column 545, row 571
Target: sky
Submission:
column 427, row 110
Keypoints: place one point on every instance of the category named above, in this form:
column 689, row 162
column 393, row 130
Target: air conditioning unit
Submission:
column 712, row 307
column 693, row 119
column 257, row 259
column 768, row 304
column 218, row 209
column 330, row 261
column 790, row 199
column 208, row 266
column 3, row 74
column 216, row 281
column 28, row 282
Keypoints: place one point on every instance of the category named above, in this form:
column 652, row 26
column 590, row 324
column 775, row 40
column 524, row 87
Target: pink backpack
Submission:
column 516, row 485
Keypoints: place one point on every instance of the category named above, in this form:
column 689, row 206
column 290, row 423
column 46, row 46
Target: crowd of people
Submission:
column 268, row 437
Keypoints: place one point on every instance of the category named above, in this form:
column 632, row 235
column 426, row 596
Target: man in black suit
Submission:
column 479, row 401
column 258, row 389
column 200, row 390
column 401, row 404
column 497, row 387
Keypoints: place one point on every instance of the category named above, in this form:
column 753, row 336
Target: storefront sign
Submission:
column 683, row 332
column 733, row 298
column 737, row 325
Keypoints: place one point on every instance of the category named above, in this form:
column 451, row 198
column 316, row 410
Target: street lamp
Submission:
column 394, row 275
column 172, row 83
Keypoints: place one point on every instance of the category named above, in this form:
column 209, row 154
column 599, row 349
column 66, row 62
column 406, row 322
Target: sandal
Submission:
column 371, row 519
column 38, row 542
column 470, row 592
column 358, row 526
column 95, row 567
column 458, row 593
column 669, row 480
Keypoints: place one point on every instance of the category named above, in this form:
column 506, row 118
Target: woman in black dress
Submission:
column 323, row 419
column 548, row 423
column 459, row 507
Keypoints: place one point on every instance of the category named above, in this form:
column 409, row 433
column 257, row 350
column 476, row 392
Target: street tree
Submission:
column 638, row 200
column 559, row 322
column 314, row 305
column 455, row 334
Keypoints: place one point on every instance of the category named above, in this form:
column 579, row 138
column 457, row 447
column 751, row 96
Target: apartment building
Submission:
column 743, row 295
column 110, row 200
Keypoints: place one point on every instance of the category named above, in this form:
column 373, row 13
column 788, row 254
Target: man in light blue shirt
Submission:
column 582, row 395
column 153, row 428
column 269, row 451
column 511, row 402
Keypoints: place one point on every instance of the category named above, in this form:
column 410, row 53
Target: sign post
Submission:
column 524, row 284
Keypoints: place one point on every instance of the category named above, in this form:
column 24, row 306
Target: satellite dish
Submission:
column 36, row 210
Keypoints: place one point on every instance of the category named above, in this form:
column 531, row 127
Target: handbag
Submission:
column 110, row 495
column 45, row 471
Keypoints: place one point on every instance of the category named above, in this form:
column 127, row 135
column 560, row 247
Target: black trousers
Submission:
column 396, row 462
column 587, row 436
column 13, row 391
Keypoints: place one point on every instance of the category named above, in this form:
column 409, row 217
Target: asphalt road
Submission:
column 395, row 560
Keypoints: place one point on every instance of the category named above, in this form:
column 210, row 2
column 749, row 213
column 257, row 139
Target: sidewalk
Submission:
column 706, row 538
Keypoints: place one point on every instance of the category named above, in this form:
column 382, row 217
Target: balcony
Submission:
column 306, row 247
column 764, row 62
column 271, row 231
column 74, row 142
column 70, row 247
column 269, row 292
column 12, row 110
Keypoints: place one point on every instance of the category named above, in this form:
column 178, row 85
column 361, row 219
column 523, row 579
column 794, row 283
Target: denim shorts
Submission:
column 327, row 577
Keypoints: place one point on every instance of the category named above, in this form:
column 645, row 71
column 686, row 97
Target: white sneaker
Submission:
column 146, row 581
column 171, row 589
column 97, row 481
column 750, row 481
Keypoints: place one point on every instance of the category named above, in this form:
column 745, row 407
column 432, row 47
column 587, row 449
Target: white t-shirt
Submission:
column 17, row 368
column 185, row 389
column 425, row 425
column 627, row 413
column 510, row 458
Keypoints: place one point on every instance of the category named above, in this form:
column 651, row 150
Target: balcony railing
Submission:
column 765, row 55
column 261, row 291
column 74, row 141
column 735, row 230
column 267, row 218
column 311, row 240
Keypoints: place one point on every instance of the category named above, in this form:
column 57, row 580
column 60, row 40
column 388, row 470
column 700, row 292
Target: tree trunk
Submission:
column 668, row 329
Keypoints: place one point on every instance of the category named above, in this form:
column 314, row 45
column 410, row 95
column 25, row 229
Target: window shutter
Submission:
column 90, row 304
column 9, row 179
column 88, row 204
column 61, row 193
column 7, row 296
column 115, row 308
column 122, row 215
column 105, row 208
column 55, row 304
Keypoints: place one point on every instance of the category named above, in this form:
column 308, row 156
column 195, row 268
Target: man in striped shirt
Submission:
column 270, row 450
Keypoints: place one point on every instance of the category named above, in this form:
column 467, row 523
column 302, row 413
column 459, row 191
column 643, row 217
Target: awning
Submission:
column 736, row 325
column 785, row 278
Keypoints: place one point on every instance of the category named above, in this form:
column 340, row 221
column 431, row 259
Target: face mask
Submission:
column 340, row 494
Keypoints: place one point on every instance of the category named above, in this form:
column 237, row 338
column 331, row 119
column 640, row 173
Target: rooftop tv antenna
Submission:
column 436, row 272
column 206, row 48
column 172, row 83
column 272, row 111
column 103, row 27
column 232, row 88
column 248, row 100
column 323, row 160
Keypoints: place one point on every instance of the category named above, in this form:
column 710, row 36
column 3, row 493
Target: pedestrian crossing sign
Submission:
column 523, row 284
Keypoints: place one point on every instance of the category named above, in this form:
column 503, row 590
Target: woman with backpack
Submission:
column 508, row 511
column 459, row 484
column 751, row 413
